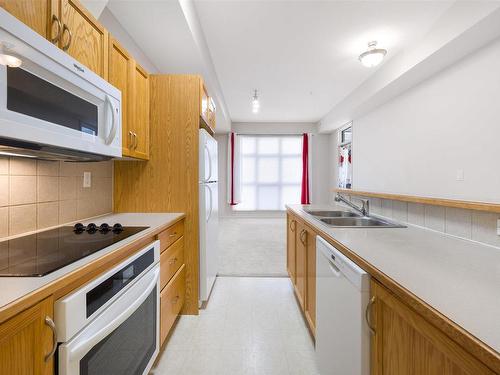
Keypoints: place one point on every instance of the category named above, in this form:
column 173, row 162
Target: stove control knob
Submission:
column 104, row 228
column 79, row 228
column 117, row 228
column 91, row 228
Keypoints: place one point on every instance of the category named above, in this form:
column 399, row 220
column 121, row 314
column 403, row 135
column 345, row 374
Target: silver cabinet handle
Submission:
column 294, row 225
column 131, row 139
column 173, row 261
column 52, row 326
column 175, row 299
column 59, row 27
column 136, row 141
column 67, row 45
column 302, row 235
column 367, row 316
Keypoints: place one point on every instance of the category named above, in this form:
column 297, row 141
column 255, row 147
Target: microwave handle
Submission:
column 112, row 133
column 129, row 308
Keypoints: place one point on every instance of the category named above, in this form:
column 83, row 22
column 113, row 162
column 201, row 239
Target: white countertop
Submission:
column 457, row 277
column 13, row 288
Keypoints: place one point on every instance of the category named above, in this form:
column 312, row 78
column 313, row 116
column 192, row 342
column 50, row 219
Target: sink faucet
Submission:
column 364, row 209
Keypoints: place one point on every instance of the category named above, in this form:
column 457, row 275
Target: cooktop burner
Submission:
column 44, row 252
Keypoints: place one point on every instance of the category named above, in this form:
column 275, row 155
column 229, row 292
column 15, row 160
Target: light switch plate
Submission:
column 498, row 227
column 460, row 174
column 87, row 179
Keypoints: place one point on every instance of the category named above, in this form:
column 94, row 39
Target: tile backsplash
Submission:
column 469, row 224
column 36, row 194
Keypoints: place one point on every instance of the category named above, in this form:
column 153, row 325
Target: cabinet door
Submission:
column 120, row 75
column 83, row 37
column 171, row 301
column 211, row 112
column 405, row 343
column 301, row 264
column 204, row 103
column 40, row 15
column 25, row 340
column 139, row 115
column 290, row 246
column 311, row 280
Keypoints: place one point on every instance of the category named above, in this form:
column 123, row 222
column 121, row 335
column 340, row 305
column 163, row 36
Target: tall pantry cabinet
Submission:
column 168, row 182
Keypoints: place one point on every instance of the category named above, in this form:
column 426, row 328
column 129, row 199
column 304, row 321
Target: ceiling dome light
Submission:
column 373, row 56
column 255, row 102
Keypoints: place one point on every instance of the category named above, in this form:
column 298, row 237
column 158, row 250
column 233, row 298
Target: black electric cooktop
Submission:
column 41, row 253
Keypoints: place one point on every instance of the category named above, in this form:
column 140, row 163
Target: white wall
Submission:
column 416, row 143
column 321, row 154
column 116, row 29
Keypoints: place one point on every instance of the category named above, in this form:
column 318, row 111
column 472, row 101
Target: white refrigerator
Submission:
column 209, row 213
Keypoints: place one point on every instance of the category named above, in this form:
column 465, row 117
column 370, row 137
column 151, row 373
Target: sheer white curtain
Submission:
column 234, row 169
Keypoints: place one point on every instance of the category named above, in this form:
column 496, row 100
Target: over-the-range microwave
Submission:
column 52, row 106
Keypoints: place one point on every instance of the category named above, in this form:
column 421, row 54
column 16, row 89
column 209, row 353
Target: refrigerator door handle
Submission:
column 209, row 163
column 211, row 203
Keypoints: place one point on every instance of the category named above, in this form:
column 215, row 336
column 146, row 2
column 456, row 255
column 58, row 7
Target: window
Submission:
column 345, row 157
column 271, row 172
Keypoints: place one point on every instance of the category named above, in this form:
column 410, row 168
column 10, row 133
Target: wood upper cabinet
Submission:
column 404, row 342
column 301, row 264
column 310, row 308
column 139, row 112
column 41, row 15
column 120, row 75
column 290, row 246
column 207, row 107
column 83, row 37
column 26, row 340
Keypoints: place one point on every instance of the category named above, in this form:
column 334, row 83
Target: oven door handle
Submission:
column 125, row 309
column 112, row 133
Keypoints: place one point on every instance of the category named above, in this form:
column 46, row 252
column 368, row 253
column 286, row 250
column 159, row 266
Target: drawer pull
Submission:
column 173, row 261
column 175, row 300
column 50, row 323
column 173, row 234
column 367, row 316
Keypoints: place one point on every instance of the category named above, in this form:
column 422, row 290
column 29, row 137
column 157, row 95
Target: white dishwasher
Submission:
column 342, row 299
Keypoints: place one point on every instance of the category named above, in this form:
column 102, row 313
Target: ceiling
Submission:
column 302, row 55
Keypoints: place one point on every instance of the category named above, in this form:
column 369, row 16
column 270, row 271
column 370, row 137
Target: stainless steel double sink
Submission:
column 348, row 219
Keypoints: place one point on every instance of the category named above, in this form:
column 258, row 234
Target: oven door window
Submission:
column 32, row 96
column 129, row 348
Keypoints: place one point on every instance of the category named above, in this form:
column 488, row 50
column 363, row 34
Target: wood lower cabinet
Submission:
column 171, row 260
column 41, row 15
column 301, row 266
column 171, row 301
column 25, row 340
column 406, row 344
column 310, row 308
column 291, row 236
column 83, row 37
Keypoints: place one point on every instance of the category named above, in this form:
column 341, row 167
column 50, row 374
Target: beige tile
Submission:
column 85, row 208
column 48, row 189
column 4, row 255
column 4, row 191
column 416, row 214
column 400, row 211
column 484, row 228
column 47, row 215
column 434, row 217
column 103, row 169
column 458, row 222
column 22, row 190
column 69, row 169
column 84, row 192
column 386, row 208
column 22, row 219
column 47, row 168
column 67, row 188
column 22, row 167
column 4, row 165
column 67, row 211
column 102, row 186
column 4, row 222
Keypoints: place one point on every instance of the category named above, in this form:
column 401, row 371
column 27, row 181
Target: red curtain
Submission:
column 304, row 197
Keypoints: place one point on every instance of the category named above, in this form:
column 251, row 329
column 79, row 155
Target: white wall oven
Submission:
column 111, row 325
column 52, row 106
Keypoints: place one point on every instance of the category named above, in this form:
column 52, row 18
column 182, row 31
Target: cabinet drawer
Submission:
column 171, row 301
column 170, row 235
column 171, row 260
